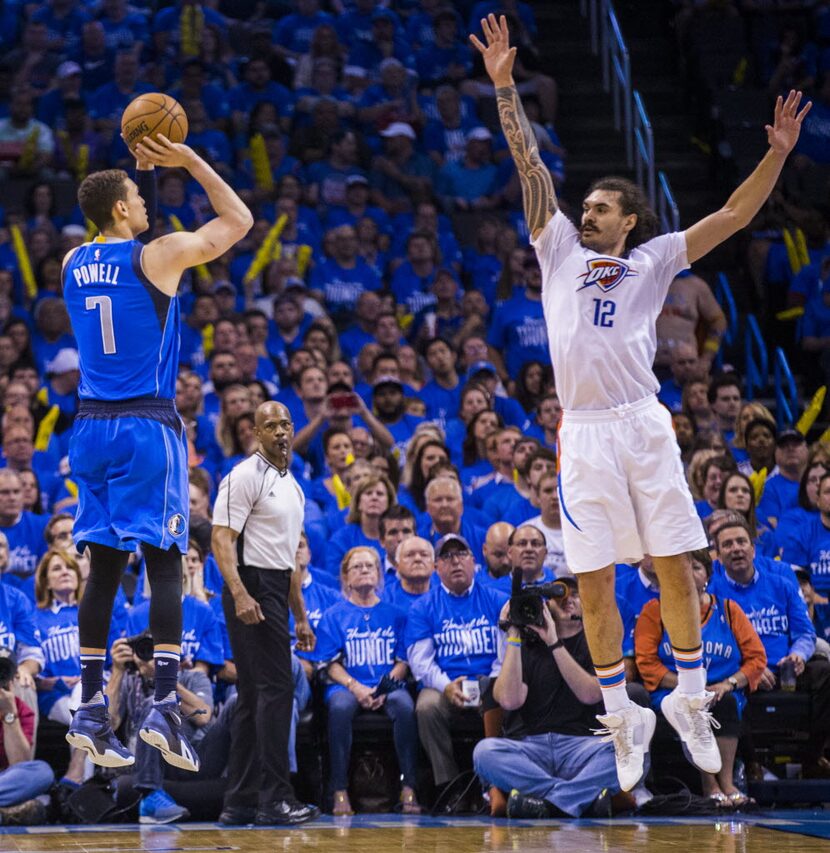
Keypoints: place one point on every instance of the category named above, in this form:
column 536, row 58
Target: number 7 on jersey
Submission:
column 107, row 330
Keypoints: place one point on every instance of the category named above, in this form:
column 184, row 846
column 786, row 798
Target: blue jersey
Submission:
column 201, row 634
column 721, row 651
column 318, row 598
column 127, row 329
column 811, row 550
column 58, row 626
column 366, row 641
column 632, row 595
column 17, row 619
column 215, row 603
column 464, row 629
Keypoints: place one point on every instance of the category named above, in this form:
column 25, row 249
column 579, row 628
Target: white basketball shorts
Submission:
column 622, row 490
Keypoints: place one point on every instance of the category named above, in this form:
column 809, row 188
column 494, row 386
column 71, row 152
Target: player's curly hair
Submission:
column 98, row 194
column 632, row 200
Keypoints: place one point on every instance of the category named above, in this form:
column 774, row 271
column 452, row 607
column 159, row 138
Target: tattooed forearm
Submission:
column 537, row 185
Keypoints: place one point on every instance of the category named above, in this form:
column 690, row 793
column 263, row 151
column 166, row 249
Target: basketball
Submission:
column 153, row 113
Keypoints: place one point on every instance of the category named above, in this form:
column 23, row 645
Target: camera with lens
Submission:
column 527, row 603
column 8, row 667
column 142, row 646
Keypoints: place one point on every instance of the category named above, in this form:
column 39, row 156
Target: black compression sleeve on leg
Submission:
column 106, row 565
column 164, row 571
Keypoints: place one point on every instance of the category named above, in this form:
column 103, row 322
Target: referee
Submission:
column 257, row 518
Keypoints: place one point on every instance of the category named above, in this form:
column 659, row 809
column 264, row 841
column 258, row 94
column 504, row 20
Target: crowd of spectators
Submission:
column 388, row 297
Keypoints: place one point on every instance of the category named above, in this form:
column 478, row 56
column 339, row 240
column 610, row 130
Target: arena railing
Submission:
column 756, row 358
column 786, row 393
column 667, row 208
column 723, row 293
column 644, row 149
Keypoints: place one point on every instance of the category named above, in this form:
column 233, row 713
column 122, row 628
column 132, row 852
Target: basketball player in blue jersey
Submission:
column 622, row 490
column 128, row 452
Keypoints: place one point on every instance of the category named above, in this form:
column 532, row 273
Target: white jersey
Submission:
column 601, row 314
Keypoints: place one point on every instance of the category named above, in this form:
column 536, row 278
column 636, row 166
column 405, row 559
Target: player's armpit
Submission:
column 538, row 192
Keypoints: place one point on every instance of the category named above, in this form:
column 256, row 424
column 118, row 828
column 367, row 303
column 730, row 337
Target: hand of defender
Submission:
column 248, row 610
column 498, row 55
column 783, row 134
column 162, row 152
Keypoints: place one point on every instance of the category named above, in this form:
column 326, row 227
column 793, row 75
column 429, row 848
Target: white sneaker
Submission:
column 688, row 714
column 630, row 730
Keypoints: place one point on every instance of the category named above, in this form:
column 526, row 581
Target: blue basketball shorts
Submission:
column 130, row 463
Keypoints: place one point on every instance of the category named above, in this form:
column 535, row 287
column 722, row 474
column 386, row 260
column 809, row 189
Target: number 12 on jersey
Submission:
column 604, row 312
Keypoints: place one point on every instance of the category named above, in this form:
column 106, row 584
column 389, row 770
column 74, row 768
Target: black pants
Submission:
column 258, row 771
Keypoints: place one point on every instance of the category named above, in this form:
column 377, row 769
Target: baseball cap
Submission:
column 445, row 541
column 65, row 360
column 482, row 367
column 73, row 231
column 67, row 69
column 357, row 180
column 355, row 71
column 479, row 134
column 225, row 286
column 789, row 436
column 387, row 380
column 398, row 128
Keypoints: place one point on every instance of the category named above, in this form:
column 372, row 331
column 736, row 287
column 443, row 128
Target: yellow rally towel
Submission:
column 812, row 411
column 758, row 480
column 24, row 263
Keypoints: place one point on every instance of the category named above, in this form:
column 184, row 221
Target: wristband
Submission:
column 554, row 646
column 514, row 641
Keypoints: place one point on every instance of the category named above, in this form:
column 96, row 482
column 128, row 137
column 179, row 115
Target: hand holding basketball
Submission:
column 498, row 55
column 160, row 151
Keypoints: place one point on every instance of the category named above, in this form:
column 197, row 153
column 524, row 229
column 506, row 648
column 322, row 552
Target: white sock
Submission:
column 615, row 698
column 691, row 680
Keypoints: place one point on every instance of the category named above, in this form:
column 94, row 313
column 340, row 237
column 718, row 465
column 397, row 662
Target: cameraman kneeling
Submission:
column 550, row 760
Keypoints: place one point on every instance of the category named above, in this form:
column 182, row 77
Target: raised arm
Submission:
column 749, row 197
column 538, row 192
column 166, row 258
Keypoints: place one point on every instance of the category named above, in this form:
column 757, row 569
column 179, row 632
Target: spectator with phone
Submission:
column 360, row 642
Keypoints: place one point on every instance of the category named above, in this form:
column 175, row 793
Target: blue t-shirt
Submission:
column 787, row 534
column 26, row 543
column 459, row 181
column 632, row 595
column 318, row 598
column 348, row 536
column 201, row 634
column 243, row 98
column 816, row 320
column 397, row 596
column 474, row 535
column 295, row 32
column 464, row 629
column 109, row 102
column 433, row 62
column 811, row 550
column 127, row 329
column 17, row 619
column 58, row 626
column 411, row 289
column 773, row 604
column 780, row 496
column 341, row 287
column 814, row 140
column 519, row 333
column 442, row 403
column 366, row 641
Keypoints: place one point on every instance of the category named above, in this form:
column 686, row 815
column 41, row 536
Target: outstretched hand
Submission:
column 783, row 134
column 498, row 55
column 160, row 151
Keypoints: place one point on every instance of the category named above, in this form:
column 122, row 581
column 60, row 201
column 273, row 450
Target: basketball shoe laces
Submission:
column 622, row 737
column 702, row 723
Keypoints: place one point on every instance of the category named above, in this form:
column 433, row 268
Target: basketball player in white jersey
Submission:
column 622, row 488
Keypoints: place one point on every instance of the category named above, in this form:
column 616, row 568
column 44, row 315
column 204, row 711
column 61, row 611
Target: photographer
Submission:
column 526, row 549
column 22, row 780
column 549, row 758
column 130, row 694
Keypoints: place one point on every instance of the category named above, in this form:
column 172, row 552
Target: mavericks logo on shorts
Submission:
column 175, row 524
column 605, row 273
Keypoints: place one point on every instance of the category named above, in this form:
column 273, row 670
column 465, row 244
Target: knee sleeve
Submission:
column 164, row 571
column 106, row 565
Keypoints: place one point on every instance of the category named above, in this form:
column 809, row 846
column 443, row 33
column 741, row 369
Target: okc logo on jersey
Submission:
column 605, row 273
